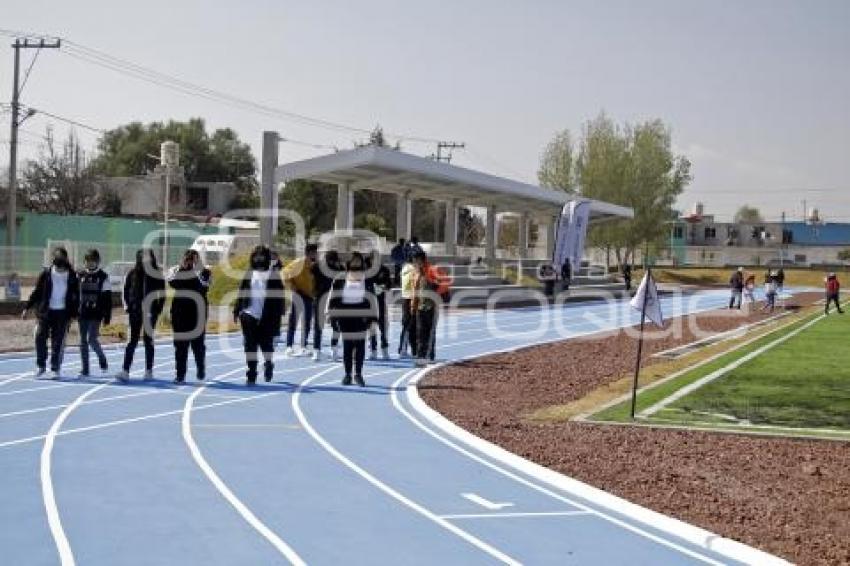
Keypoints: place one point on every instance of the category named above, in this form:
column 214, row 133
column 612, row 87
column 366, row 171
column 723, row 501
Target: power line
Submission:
column 29, row 70
column 67, row 120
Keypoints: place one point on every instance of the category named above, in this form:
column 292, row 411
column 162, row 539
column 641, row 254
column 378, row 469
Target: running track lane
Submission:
column 339, row 475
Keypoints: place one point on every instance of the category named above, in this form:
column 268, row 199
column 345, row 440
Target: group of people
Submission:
column 62, row 295
column 351, row 296
column 743, row 286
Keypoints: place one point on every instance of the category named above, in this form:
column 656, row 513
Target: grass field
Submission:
column 802, row 384
column 715, row 276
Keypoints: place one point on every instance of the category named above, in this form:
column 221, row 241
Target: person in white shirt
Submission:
column 258, row 308
column 56, row 300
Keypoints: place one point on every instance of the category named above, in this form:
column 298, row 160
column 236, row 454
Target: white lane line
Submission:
column 514, row 515
column 533, row 485
column 186, row 427
column 481, row 545
column 66, row 556
column 486, row 503
column 691, row 387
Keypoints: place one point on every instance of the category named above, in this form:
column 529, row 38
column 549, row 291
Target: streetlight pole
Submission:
column 169, row 158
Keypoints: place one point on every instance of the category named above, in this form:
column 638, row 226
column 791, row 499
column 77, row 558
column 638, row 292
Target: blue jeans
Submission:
column 90, row 336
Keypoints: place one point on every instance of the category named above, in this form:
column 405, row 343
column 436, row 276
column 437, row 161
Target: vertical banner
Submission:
column 572, row 230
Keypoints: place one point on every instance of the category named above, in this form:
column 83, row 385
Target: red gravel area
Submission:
column 788, row 497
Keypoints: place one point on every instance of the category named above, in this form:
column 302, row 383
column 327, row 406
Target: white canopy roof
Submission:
column 388, row 170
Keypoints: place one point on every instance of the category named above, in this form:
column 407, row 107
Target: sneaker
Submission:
column 358, row 379
column 54, row 374
column 39, row 373
column 148, row 375
column 335, row 353
column 251, row 382
column 317, row 355
column 421, row 362
column 179, row 380
column 385, row 353
column 373, row 355
column 123, row 376
column 346, row 380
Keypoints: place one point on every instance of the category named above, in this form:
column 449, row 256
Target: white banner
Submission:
column 572, row 230
column 646, row 299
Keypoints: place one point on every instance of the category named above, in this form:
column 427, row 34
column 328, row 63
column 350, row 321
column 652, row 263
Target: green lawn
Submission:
column 803, row 382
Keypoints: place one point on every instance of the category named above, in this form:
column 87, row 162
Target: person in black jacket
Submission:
column 144, row 296
column 566, row 275
column 55, row 299
column 189, row 310
column 259, row 307
column 380, row 284
column 354, row 309
column 736, row 286
column 325, row 272
column 95, row 308
column 627, row 276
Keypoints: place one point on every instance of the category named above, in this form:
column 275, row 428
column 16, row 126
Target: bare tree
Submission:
column 60, row 181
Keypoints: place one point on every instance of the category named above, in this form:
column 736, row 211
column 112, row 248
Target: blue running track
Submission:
column 301, row 470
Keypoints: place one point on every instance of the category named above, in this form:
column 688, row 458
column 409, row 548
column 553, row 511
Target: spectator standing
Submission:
column 736, row 287
column 833, row 290
column 299, row 279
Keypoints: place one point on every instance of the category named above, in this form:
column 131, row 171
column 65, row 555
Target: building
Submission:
column 698, row 239
column 144, row 195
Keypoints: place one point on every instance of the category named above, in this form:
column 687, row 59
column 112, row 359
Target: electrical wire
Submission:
column 29, row 70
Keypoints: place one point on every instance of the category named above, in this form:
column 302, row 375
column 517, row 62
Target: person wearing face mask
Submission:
column 95, row 308
column 143, row 296
column 354, row 308
column 258, row 309
column 55, row 299
column 190, row 281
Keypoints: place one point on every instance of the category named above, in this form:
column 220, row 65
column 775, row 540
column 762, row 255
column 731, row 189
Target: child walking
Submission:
column 354, row 309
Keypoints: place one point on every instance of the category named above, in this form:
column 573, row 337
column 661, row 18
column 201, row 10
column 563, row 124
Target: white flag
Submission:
column 646, row 300
column 572, row 229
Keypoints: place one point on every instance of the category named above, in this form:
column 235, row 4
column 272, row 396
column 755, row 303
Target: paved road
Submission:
column 299, row 470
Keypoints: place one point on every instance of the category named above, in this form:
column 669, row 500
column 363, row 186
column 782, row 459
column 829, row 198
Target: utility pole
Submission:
column 449, row 146
column 12, row 212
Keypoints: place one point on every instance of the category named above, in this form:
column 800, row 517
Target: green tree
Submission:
column 314, row 201
column 748, row 215
column 218, row 156
column 556, row 164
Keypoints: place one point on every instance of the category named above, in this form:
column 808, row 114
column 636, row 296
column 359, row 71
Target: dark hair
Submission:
column 311, row 248
column 92, row 255
column 349, row 265
column 140, row 254
column 61, row 251
column 420, row 255
column 401, row 240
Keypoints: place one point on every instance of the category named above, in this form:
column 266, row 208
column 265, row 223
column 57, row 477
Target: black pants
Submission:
column 832, row 299
column 407, row 337
column 90, row 336
column 254, row 338
column 382, row 325
column 54, row 325
column 425, row 320
column 353, row 354
column 137, row 330
column 181, row 355
column 397, row 274
column 735, row 299
column 302, row 308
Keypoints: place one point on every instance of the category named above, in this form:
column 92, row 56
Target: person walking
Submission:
column 325, row 272
column 189, row 311
column 56, row 300
column 769, row 293
column 627, row 276
column 379, row 284
column 423, row 307
column 95, row 308
column 736, row 286
column 399, row 257
column 566, row 275
column 833, row 290
column 407, row 337
column 144, row 297
column 258, row 308
column 546, row 275
column 299, row 280
column 780, row 280
column 354, row 309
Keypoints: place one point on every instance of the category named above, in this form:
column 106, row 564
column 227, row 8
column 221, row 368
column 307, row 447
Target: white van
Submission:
column 214, row 247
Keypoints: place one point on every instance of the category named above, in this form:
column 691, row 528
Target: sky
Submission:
column 755, row 92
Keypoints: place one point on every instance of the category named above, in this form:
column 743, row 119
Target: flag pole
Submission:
column 640, row 342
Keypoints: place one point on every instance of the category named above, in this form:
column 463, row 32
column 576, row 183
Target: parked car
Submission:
column 215, row 247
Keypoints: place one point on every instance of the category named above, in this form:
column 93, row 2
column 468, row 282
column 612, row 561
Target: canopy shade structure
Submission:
column 387, row 170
